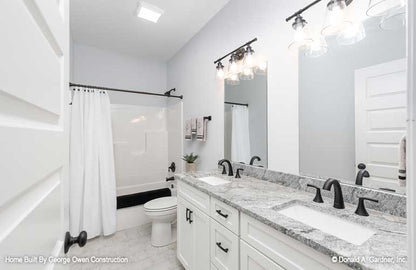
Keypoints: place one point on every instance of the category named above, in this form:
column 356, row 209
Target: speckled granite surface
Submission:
column 263, row 199
column 391, row 203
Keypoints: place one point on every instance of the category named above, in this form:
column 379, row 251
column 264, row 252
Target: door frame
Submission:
column 411, row 147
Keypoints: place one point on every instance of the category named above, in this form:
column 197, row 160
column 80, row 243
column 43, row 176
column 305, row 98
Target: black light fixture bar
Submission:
column 167, row 94
column 300, row 11
column 230, row 53
column 235, row 103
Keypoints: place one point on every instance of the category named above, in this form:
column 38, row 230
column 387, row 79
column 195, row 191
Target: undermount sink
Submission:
column 342, row 229
column 214, row 181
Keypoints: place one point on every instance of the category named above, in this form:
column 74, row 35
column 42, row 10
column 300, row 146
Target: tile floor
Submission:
column 131, row 243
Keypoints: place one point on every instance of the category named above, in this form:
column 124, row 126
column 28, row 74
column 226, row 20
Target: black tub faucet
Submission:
column 361, row 173
column 338, row 198
column 230, row 167
column 254, row 159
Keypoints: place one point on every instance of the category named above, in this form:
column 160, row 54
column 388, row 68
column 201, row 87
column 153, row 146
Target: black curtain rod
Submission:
column 167, row 94
column 246, row 44
column 234, row 103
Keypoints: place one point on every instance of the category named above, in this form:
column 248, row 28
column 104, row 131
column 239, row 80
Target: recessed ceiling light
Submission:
column 149, row 12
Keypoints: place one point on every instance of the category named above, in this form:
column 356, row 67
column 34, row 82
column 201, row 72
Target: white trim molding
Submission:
column 411, row 148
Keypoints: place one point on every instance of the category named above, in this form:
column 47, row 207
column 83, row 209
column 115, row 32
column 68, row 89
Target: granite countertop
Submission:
column 262, row 200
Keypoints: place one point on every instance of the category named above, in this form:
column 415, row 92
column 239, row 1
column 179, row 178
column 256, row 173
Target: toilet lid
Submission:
column 164, row 203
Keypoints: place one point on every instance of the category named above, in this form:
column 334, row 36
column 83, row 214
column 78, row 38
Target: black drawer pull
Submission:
column 223, row 249
column 190, row 219
column 187, row 214
column 221, row 214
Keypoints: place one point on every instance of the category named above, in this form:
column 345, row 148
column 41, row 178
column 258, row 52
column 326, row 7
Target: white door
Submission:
column 251, row 259
column 184, row 235
column 380, row 120
column 201, row 239
column 33, row 134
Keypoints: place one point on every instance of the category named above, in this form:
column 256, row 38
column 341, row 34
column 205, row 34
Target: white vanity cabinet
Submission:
column 193, row 236
column 251, row 259
column 213, row 235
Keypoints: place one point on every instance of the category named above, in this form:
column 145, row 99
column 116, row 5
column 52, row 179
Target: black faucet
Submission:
column 237, row 174
column 318, row 196
column 230, row 167
column 361, row 211
column 338, row 199
column 224, row 171
column 361, row 173
column 254, row 159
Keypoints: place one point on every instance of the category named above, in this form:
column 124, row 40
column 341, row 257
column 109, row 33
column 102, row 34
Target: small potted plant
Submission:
column 190, row 162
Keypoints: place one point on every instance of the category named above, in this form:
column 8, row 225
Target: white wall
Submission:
column 95, row 66
column 192, row 72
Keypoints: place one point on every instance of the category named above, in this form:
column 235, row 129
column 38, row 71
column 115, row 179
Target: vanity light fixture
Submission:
column 149, row 12
column 338, row 21
column 220, row 70
column 382, row 7
column 317, row 47
column 336, row 18
column 243, row 64
column 249, row 57
column 233, row 70
column 300, row 36
column 352, row 34
column 394, row 19
column 247, row 72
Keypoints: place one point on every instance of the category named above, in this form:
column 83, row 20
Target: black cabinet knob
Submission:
column 318, row 196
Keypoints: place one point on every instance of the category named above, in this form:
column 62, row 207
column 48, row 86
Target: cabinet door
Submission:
column 184, row 235
column 200, row 232
column 251, row 259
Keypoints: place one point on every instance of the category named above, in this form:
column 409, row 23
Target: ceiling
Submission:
column 113, row 25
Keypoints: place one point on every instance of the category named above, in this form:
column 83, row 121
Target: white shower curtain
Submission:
column 240, row 134
column 92, row 196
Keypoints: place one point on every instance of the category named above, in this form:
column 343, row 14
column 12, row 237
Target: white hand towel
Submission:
column 402, row 162
column 201, row 126
column 193, row 125
column 188, row 129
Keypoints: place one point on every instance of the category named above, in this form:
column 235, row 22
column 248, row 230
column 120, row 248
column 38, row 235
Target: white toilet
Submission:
column 162, row 212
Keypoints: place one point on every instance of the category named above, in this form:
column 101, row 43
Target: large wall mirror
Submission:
column 352, row 109
column 245, row 121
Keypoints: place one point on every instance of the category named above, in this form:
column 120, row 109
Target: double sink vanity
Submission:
column 268, row 220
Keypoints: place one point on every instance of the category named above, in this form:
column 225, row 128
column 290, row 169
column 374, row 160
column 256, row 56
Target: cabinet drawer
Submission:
column 225, row 215
column 285, row 251
column 251, row 259
column 194, row 196
column 224, row 247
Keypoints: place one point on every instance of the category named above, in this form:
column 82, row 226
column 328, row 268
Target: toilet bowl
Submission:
column 162, row 213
